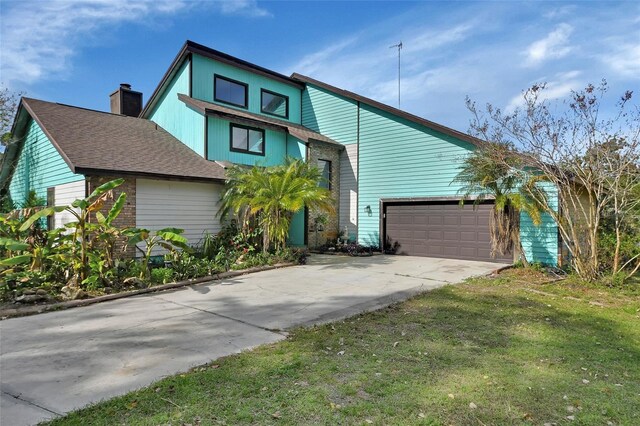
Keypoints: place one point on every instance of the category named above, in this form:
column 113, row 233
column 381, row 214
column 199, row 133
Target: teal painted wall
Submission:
column 296, row 149
column 175, row 117
column 219, row 146
column 202, row 87
column 39, row 167
column 329, row 114
column 401, row 159
column 540, row 242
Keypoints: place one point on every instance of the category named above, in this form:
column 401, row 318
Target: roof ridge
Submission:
column 83, row 108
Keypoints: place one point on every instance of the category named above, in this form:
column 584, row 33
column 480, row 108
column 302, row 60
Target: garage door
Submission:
column 190, row 206
column 441, row 229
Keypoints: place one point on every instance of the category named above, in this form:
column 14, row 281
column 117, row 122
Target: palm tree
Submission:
column 272, row 195
column 494, row 171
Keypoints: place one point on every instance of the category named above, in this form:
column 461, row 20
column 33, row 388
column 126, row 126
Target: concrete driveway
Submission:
column 53, row 363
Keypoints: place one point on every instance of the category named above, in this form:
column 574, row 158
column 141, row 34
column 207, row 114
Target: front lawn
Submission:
column 511, row 350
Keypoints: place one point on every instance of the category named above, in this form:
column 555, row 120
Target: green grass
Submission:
column 515, row 347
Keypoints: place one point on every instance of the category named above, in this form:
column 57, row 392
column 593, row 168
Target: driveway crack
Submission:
column 271, row 330
column 20, row 398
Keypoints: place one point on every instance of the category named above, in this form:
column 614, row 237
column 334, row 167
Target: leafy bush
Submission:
column 162, row 275
column 352, row 249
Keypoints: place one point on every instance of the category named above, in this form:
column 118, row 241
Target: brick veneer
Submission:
column 127, row 217
column 325, row 151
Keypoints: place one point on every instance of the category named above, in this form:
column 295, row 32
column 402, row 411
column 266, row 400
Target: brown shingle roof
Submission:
column 303, row 133
column 94, row 141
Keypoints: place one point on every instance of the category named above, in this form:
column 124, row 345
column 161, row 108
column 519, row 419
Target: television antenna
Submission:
column 399, row 47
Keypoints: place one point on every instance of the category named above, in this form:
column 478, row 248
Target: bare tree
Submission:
column 586, row 158
column 8, row 105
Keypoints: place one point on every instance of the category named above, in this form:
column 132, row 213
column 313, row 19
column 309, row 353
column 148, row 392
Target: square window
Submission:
column 230, row 91
column 274, row 104
column 247, row 139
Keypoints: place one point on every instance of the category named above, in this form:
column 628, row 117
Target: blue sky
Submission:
column 78, row 52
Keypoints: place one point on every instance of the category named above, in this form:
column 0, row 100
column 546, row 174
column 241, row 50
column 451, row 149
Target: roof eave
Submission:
column 392, row 110
column 92, row 171
column 190, row 47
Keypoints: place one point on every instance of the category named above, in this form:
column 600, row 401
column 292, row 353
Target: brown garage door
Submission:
column 441, row 229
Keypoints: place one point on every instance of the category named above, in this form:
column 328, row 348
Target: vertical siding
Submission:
column 39, row 167
column 332, row 115
column 349, row 190
column 205, row 68
column 219, row 146
column 187, row 205
column 296, row 148
column 175, row 117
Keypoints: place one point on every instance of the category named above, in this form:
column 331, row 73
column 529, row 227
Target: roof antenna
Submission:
column 399, row 47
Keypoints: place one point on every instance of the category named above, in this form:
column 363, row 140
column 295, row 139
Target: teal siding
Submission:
column 540, row 243
column 39, row 167
column 332, row 115
column 296, row 230
column 175, row 117
column 401, row 159
column 219, row 146
column 202, row 87
column 296, row 148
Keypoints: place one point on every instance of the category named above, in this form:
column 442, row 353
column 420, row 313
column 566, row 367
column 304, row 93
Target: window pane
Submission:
column 239, row 138
column 256, row 142
column 274, row 104
column 228, row 91
column 325, row 169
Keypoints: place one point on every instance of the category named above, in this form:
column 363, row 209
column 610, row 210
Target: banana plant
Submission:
column 81, row 210
column 167, row 238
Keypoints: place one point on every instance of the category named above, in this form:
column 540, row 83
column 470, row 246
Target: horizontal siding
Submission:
column 401, row 159
column 186, row 205
column 349, row 190
column 40, row 166
column 205, row 68
column 175, row 117
column 540, row 243
column 64, row 195
column 332, row 115
column 219, row 146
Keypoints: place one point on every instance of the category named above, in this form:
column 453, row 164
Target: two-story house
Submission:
column 390, row 172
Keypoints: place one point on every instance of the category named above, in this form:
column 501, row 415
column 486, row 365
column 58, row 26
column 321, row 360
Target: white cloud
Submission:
column 624, row 59
column 559, row 12
column 554, row 46
column 313, row 62
column 40, row 38
column 558, row 88
column 243, row 7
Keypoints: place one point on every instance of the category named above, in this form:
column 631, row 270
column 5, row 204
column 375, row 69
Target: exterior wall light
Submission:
column 368, row 210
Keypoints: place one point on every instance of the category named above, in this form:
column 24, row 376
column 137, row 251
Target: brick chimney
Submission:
column 125, row 101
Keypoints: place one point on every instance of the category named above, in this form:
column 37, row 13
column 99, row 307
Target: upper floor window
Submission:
column 247, row 139
column 274, row 103
column 230, row 91
column 325, row 169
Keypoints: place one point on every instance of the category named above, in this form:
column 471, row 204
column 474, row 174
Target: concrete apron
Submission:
column 53, row 363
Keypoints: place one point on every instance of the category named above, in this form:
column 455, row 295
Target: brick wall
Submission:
column 127, row 217
column 329, row 231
